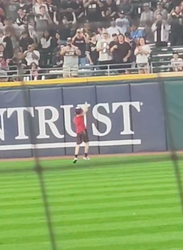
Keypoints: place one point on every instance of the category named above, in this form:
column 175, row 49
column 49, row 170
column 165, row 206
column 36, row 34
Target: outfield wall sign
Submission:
column 120, row 119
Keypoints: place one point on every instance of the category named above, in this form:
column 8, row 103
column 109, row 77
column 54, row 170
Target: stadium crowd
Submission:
column 37, row 34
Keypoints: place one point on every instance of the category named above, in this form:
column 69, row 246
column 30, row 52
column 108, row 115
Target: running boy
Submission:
column 81, row 131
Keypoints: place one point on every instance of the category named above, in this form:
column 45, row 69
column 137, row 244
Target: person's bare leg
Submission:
column 76, row 153
column 86, row 148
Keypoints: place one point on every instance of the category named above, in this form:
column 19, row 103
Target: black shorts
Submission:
column 82, row 137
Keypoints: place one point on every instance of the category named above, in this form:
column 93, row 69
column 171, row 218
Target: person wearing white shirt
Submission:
column 31, row 55
column 142, row 53
column 105, row 55
column 46, row 40
column 176, row 62
column 113, row 29
column 37, row 6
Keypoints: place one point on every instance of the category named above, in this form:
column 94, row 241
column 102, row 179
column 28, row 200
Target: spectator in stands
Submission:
column 79, row 41
column 121, row 51
column 58, row 59
column 57, row 41
column 109, row 10
column 37, row 7
column 133, row 44
column 11, row 9
column 91, row 51
column 122, row 22
column 22, row 18
column 176, row 20
column 136, row 32
column 25, row 7
column 114, row 50
column 25, row 41
column 113, row 29
column 67, row 12
column 31, row 55
column 124, row 52
column 34, row 72
column 87, row 30
column 142, row 53
column 147, row 16
column 161, row 10
column 2, row 12
column 99, row 33
column 8, row 41
column 93, row 10
column 46, row 44
column 126, row 7
column 2, row 37
column 169, row 5
column 32, row 30
column 176, row 62
column 42, row 21
column 52, row 10
column 2, row 52
column 105, row 57
column 71, row 55
column 80, row 11
column 160, row 28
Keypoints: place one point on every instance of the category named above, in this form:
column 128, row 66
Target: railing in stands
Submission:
column 91, row 70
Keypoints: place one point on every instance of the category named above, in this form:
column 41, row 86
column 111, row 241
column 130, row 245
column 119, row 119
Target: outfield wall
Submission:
column 122, row 118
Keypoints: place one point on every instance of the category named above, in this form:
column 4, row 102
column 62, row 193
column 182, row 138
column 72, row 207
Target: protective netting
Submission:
column 103, row 203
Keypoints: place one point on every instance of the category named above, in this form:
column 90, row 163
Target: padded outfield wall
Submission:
column 124, row 116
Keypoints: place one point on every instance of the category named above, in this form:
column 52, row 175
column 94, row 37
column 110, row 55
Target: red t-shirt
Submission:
column 79, row 123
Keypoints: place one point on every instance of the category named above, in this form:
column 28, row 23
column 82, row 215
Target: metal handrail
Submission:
column 90, row 70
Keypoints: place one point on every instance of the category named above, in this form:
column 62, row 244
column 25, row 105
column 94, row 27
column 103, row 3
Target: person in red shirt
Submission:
column 81, row 131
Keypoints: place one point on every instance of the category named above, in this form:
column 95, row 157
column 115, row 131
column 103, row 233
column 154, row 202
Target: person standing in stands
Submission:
column 91, row 51
column 79, row 40
column 105, row 56
column 142, row 53
column 176, row 20
column 136, row 32
column 160, row 28
column 124, row 53
column 71, row 55
column 93, row 10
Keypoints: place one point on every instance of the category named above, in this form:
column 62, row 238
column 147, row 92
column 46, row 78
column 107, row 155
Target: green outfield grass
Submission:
column 105, row 204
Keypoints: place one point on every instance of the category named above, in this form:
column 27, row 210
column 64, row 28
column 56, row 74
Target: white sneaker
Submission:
column 75, row 160
column 86, row 158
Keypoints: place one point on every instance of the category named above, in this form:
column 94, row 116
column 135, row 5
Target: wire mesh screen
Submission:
column 114, row 201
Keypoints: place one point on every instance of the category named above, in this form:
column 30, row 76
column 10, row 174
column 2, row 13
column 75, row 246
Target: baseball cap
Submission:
column 146, row 4
column 78, row 110
column 122, row 12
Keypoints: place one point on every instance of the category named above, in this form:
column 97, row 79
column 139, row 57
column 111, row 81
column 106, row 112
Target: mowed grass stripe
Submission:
column 30, row 208
column 96, row 188
column 58, row 184
column 104, row 232
column 37, row 223
column 128, row 189
column 73, row 199
column 98, row 183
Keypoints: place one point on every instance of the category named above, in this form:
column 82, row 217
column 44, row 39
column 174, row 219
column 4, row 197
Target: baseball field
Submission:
column 118, row 203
